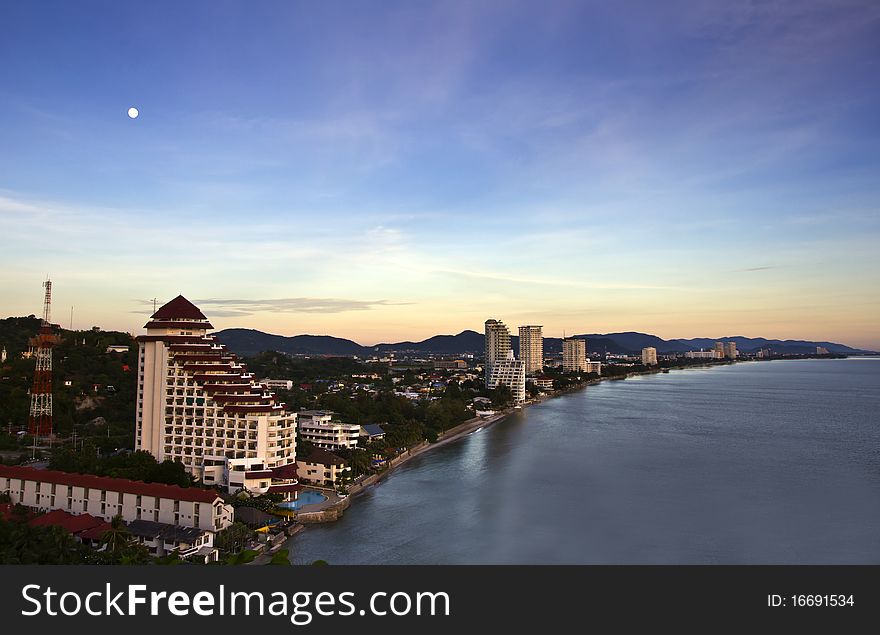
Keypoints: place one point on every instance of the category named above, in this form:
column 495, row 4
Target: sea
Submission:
column 766, row 462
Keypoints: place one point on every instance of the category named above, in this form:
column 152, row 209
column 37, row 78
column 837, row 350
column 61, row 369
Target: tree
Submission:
column 117, row 538
column 281, row 557
column 234, row 538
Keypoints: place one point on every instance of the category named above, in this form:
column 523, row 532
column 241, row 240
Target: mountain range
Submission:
column 250, row 342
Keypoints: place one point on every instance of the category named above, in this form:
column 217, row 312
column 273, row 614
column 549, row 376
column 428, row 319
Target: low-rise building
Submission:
column 372, row 431
column 543, row 382
column 701, row 354
column 457, row 364
column 106, row 497
column 161, row 539
column 282, row 384
column 322, row 468
column 318, row 428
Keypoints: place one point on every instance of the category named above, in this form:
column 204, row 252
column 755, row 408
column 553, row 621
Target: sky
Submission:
column 390, row 170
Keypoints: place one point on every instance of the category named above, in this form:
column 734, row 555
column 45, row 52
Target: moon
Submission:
column 133, row 112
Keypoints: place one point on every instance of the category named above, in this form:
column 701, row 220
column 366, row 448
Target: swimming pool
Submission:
column 308, row 497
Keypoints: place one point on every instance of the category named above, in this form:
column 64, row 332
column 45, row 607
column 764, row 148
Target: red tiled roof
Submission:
column 258, row 474
column 179, row 308
column 95, row 533
column 184, row 339
column 126, row 486
column 284, row 471
column 72, row 523
column 54, row 517
column 162, row 324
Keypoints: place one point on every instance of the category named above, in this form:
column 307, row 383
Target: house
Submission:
column 372, row 431
column 543, row 382
column 322, row 468
column 86, row 528
column 162, row 539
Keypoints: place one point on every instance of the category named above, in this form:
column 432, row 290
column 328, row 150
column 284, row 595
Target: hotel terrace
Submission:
column 196, row 403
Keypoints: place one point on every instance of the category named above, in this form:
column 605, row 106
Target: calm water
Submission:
column 773, row 462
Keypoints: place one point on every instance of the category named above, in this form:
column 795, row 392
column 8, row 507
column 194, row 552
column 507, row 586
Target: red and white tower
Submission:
column 40, row 422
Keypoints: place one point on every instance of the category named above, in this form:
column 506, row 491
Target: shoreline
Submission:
column 458, row 432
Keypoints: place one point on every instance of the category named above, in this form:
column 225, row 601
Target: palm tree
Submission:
column 117, row 538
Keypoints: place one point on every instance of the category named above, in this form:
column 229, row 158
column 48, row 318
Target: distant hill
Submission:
column 751, row 344
column 251, row 342
column 464, row 342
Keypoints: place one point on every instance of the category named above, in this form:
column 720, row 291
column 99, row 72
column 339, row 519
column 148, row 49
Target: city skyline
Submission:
column 400, row 172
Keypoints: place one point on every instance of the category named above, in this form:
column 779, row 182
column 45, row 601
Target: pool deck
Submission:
column 332, row 499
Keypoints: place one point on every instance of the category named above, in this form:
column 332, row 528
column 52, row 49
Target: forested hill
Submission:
column 101, row 384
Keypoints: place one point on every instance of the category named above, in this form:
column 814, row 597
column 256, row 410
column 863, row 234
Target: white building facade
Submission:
column 198, row 405
column 531, row 348
column 318, row 428
column 510, row 372
column 497, row 345
column 105, row 498
column 574, row 355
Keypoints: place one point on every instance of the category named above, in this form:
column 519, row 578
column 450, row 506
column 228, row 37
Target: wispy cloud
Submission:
column 764, row 268
column 222, row 307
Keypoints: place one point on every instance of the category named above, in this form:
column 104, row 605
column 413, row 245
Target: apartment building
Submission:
column 649, row 356
column 531, row 348
column 510, row 372
column 574, row 355
column 497, row 345
column 318, row 428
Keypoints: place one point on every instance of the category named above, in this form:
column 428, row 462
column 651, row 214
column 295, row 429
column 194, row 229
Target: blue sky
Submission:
column 392, row 170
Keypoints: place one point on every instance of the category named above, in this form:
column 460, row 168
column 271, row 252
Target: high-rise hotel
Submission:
column 531, row 348
column 497, row 345
column 198, row 405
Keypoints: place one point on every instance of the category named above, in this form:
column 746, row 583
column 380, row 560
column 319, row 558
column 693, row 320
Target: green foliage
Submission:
column 22, row 544
column 234, row 538
column 137, row 466
column 358, row 459
column 242, row 557
column 120, row 547
column 320, row 563
column 264, row 502
column 280, row 366
column 81, row 358
column 281, row 557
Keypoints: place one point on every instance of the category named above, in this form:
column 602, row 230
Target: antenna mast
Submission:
column 40, row 420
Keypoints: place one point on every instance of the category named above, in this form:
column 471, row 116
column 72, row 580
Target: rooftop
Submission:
column 323, row 457
column 179, row 309
column 168, row 533
column 126, row 486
